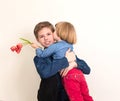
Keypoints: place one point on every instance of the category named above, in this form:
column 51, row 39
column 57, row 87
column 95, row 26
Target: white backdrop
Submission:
column 97, row 23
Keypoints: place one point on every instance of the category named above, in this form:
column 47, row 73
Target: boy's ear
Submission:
column 37, row 39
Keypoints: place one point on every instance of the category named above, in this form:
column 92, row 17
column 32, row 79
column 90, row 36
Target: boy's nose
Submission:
column 45, row 37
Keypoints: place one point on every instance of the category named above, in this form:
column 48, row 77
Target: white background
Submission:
column 97, row 24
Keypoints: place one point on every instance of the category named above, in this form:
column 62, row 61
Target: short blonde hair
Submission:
column 66, row 31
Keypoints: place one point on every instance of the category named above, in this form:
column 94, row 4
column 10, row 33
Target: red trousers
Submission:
column 76, row 86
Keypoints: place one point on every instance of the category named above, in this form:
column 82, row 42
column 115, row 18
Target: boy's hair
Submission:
column 42, row 25
column 66, row 31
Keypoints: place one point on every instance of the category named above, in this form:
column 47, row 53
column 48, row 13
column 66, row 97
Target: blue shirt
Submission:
column 57, row 50
column 46, row 67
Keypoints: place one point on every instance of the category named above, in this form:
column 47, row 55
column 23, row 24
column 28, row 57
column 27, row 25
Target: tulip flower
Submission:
column 17, row 48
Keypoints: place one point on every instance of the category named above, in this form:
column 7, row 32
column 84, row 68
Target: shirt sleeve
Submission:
column 47, row 51
column 47, row 68
column 38, row 51
column 83, row 66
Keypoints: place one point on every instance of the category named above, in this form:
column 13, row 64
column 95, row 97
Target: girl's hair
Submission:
column 42, row 25
column 66, row 31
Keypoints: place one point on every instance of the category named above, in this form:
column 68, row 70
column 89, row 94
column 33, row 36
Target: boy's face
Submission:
column 45, row 37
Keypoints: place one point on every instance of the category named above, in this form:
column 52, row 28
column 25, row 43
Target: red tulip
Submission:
column 17, row 48
column 13, row 48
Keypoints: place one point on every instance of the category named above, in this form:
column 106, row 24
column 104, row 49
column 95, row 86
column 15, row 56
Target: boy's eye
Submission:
column 41, row 36
column 48, row 33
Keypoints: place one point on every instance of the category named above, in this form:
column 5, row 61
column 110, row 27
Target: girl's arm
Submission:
column 46, row 52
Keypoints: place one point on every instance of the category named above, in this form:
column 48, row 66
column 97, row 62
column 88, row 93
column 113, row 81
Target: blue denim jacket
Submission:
column 46, row 68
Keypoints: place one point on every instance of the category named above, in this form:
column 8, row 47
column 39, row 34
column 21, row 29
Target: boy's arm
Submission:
column 83, row 66
column 46, row 68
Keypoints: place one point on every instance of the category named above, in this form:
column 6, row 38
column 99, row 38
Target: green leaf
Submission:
column 26, row 41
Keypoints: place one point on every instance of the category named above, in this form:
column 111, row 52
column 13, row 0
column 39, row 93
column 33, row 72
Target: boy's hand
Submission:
column 64, row 72
column 70, row 56
column 33, row 45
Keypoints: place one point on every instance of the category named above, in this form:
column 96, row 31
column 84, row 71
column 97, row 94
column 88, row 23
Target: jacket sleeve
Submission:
column 83, row 66
column 46, row 68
